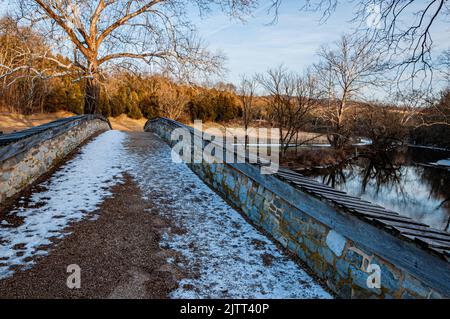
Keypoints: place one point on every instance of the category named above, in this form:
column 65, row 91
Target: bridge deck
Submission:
column 141, row 226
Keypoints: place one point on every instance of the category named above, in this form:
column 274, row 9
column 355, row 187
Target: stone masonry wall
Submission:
column 340, row 248
column 38, row 155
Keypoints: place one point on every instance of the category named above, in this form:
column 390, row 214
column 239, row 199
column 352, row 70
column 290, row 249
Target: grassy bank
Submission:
column 10, row 122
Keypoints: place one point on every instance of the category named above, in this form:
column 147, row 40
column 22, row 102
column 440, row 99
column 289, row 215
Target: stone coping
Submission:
column 18, row 142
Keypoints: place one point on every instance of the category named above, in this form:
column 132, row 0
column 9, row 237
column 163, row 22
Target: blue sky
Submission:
column 256, row 45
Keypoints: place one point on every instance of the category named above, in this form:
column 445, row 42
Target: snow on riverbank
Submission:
column 233, row 259
column 74, row 190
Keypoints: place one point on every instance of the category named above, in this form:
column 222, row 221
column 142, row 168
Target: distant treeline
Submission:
column 149, row 96
column 135, row 96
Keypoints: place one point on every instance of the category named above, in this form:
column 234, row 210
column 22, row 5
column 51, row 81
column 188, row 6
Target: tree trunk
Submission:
column 338, row 140
column 281, row 150
column 91, row 95
column 246, row 136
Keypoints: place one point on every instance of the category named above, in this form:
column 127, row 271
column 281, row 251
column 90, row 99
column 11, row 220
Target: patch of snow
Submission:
column 228, row 252
column 445, row 162
column 363, row 142
column 72, row 192
column 317, row 145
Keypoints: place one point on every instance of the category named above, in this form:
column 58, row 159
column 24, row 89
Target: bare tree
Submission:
column 384, row 125
column 401, row 28
column 22, row 89
column 344, row 72
column 410, row 105
column 246, row 94
column 290, row 100
column 172, row 100
column 101, row 33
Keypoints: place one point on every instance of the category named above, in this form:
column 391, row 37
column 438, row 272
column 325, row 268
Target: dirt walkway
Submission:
column 118, row 253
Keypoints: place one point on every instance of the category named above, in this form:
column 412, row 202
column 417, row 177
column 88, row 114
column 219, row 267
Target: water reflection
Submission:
column 397, row 182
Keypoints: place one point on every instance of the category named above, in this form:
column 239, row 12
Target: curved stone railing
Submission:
column 28, row 154
column 351, row 244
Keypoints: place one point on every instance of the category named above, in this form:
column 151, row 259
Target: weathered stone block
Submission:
column 312, row 246
column 301, row 253
column 413, row 286
column 242, row 194
column 327, row 254
column 317, row 231
column 406, row 295
column 259, row 201
column 292, row 245
column 342, row 267
column 336, row 242
column 280, row 238
column 270, row 224
column 294, row 227
column 354, row 258
column 278, row 203
column 254, row 214
column 358, row 277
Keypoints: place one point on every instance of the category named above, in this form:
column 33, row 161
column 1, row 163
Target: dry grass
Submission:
column 10, row 122
column 124, row 123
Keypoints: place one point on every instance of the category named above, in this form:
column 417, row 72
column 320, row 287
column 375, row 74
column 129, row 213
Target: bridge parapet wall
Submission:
column 342, row 248
column 28, row 154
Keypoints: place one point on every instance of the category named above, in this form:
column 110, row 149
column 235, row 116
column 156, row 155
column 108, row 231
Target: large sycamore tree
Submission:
column 98, row 34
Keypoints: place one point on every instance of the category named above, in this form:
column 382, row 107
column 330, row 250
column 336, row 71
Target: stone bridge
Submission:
column 75, row 194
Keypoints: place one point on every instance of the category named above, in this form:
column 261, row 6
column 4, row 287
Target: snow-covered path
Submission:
column 228, row 252
column 229, row 257
column 72, row 192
